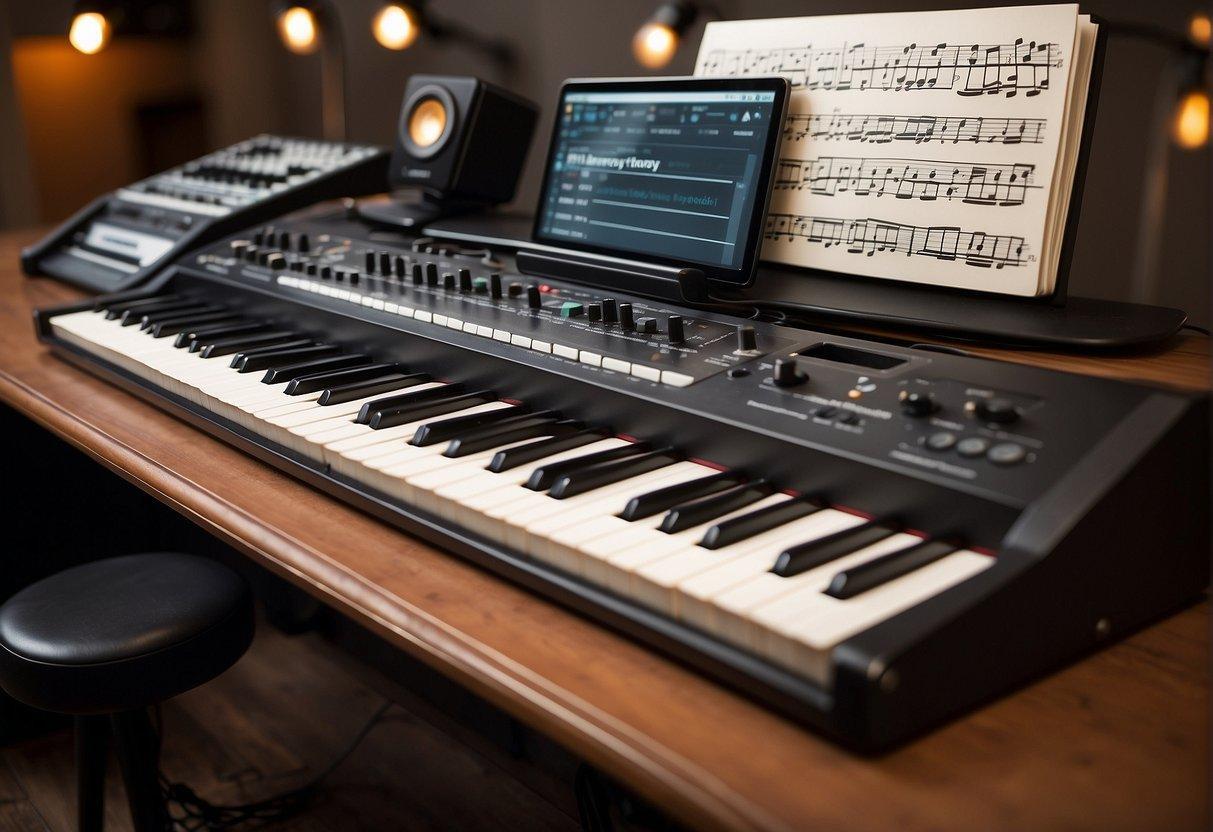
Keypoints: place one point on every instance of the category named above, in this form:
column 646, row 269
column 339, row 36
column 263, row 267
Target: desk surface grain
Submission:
column 1117, row 741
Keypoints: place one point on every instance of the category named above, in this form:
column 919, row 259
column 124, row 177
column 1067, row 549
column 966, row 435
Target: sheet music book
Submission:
column 933, row 147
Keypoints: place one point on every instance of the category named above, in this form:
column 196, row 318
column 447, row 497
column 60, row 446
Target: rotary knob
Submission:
column 998, row 411
column 747, row 339
column 917, row 404
column 533, row 299
column 787, row 374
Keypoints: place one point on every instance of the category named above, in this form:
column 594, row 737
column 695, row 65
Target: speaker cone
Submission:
column 429, row 119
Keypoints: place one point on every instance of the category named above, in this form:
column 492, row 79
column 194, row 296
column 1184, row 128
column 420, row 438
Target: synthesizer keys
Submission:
column 867, row 537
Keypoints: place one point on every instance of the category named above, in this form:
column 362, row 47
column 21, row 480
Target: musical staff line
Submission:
column 883, row 129
column 871, row 236
column 968, row 70
column 922, row 179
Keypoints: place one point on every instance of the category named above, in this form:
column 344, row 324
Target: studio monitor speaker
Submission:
column 461, row 141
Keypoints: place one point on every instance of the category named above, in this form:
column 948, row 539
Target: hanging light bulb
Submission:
column 298, row 29
column 396, row 26
column 1199, row 29
column 1190, row 128
column 656, row 42
column 89, row 32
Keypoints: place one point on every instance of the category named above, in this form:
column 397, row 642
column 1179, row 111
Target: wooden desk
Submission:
column 1118, row 741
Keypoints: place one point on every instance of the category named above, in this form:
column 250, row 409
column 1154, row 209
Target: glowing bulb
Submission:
column 1199, row 29
column 298, row 30
column 395, row 27
column 1191, row 128
column 654, row 45
column 90, row 32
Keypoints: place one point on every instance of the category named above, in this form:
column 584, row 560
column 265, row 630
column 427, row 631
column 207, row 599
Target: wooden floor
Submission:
column 275, row 719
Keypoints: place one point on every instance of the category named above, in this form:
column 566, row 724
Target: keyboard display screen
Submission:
column 669, row 174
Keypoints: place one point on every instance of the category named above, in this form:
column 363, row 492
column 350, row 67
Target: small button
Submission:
column 591, row 358
column 571, row 309
column 826, row 412
column 565, row 352
column 848, row 418
column 541, row 346
column 520, row 341
column 646, row 373
column 676, row 379
column 738, row 372
column 941, row 441
column 501, row 335
column 1006, row 453
column 616, row 365
column 972, row 446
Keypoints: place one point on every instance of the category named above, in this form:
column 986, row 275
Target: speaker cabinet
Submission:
column 459, row 139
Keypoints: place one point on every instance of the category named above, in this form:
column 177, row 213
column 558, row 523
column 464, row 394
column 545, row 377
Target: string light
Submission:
column 298, row 29
column 1191, row 125
column 657, row 40
column 89, row 32
column 396, row 26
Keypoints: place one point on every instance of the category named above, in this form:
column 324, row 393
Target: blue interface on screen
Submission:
column 671, row 174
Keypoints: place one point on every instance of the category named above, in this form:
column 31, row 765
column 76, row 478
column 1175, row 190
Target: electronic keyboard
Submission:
column 120, row 240
column 867, row 537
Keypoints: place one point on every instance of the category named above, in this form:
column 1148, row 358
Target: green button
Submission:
column 571, row 309
column 480, row 284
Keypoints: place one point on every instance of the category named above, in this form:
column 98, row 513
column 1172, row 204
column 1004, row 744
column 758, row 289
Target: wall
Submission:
column 252, row 85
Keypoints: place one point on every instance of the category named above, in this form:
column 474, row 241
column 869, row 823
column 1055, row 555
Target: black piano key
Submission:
column 696, row 513
column 510, row 433
column 814, row 553
column 150, row 319
column 389, row 403
column 292, row 371
column 133, row 314
column 115, row 309
column 387, row 383
column 277, row 339
column 869, row 575
column 416, row 413
column 105, row 303
column 243, row 357
column 541, row 478
column 173, row 326
column 199, row 338
column 756, row 522
column 447, row 429
column 532, row 451
column 314, row 383
column 646, row 505
column 608, row 473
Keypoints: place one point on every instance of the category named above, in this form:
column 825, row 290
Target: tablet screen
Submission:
column 673, row 171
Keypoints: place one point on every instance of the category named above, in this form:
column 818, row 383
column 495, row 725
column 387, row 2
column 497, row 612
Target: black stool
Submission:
column 107, row 640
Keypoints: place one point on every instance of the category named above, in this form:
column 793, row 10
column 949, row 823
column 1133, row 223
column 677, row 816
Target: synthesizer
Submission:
column 121, row 239
column 864, row 536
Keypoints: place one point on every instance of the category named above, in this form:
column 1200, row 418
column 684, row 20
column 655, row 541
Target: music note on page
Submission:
column 994, row 184
column 868, row 237
column 968, row 70
column 875, row 128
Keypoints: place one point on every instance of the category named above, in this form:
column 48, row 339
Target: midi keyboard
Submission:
column 867, row 537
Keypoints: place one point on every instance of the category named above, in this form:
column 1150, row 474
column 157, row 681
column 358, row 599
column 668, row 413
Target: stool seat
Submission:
column 123, row 633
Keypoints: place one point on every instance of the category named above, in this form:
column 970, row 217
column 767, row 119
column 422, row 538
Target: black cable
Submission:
column 1202, row 330
column 196, row 813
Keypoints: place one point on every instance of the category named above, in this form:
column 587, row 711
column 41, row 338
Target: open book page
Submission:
column 918, row 146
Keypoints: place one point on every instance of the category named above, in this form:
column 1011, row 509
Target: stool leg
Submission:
column 92, row 741
column 138, row 755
